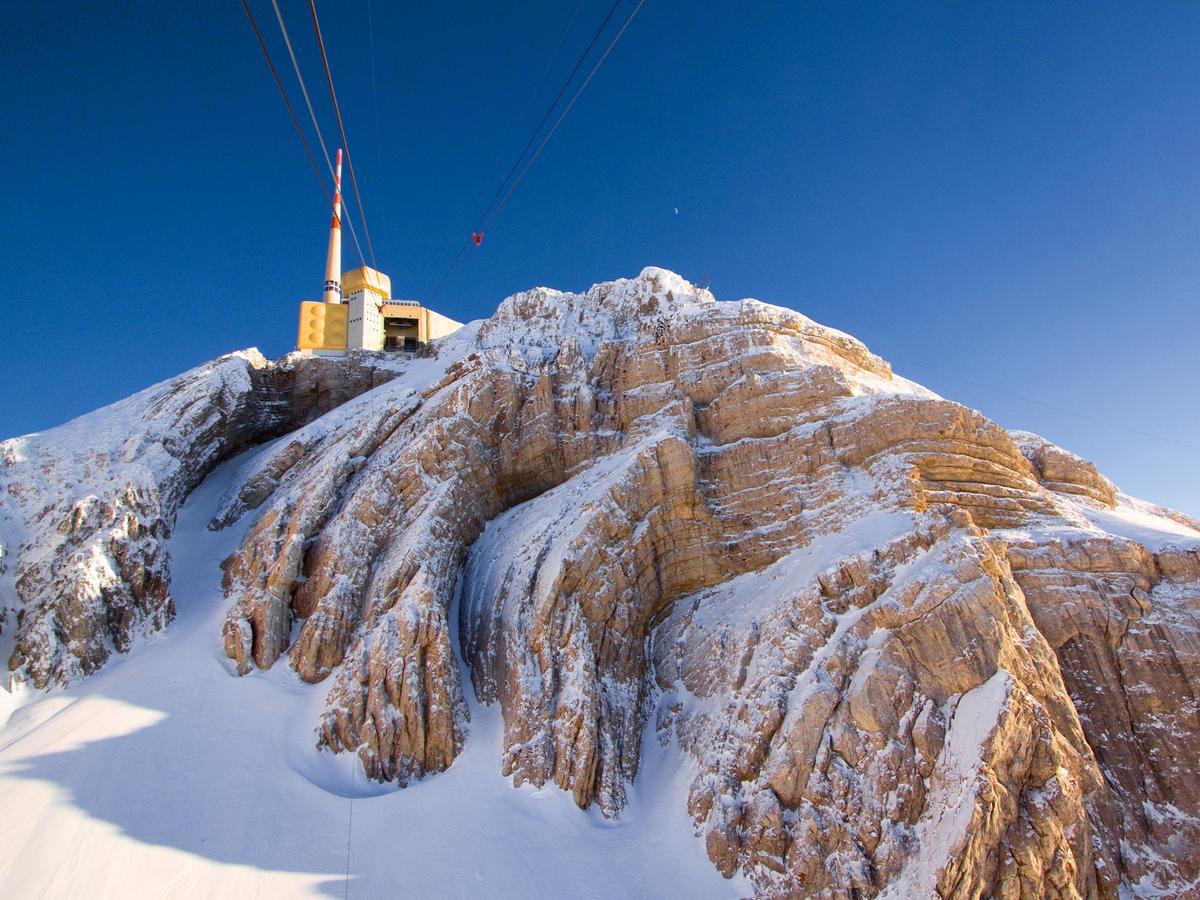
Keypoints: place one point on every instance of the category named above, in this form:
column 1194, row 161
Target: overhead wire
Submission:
column 550, row 61
column 436, row 293
column 375, row 109
column 283, row 93
column 312, row 6
column 563, row 115
column 491, row 211
column 550, row 109
column 312, row 115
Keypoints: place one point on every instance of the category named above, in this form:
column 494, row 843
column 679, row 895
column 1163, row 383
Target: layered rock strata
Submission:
column 907, row 652
column 724, row 518
column 597, row 475
column 85, row 508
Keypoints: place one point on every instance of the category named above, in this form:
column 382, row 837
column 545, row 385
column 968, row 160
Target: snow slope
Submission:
column 790, row 679
column 87, row 773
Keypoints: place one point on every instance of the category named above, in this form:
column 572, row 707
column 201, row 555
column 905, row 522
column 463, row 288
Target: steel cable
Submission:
column 312, row 115
column 342, row 129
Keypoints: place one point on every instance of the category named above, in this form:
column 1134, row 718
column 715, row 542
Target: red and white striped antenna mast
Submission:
column 333, row 260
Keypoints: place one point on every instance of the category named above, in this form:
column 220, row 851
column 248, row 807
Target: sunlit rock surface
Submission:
column 909, row 652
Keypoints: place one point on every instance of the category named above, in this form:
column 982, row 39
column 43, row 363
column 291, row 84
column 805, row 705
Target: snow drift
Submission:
column 699, row 561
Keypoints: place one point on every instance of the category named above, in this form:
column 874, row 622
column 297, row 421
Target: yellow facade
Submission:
column 323, row 326
column 369, row 279
column 369, row 319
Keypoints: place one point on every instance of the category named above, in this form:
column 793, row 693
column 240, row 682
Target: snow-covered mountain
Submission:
column 709, row 570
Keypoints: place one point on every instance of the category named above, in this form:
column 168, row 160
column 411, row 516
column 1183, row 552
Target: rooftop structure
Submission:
column 358, row 312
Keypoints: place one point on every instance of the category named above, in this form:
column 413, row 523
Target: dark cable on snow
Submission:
column 350, row 830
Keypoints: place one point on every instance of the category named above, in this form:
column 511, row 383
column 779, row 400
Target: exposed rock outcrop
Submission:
column 1123, row 622
column 1063, row 471
column 891, row 720
column 908, row 652
column 742, row 524
column 85, row 508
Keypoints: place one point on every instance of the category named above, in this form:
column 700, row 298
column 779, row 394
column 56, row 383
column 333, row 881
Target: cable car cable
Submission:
column 550, row 109
column 312, row 115
column 342, row 129
column 476, row 236
column 375, row 108
column 546, row 139
column 291, row 112
column 550, row 62
column 283, row 93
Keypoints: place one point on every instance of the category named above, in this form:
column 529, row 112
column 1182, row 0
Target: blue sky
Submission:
column 1003, row 200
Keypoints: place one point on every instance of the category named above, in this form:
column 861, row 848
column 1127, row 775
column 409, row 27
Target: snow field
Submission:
column 166, row 775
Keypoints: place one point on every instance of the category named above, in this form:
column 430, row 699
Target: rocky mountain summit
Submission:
column 907, row 652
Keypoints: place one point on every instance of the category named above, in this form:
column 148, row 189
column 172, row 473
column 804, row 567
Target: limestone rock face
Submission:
column 1063, row 471
column 843, row 596
column 1123, row 622
column 904, row 651
column 85, row 508
column 895, row 722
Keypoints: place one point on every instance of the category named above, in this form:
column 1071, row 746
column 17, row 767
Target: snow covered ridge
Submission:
column 899, row 648
column 85, row 508
column 618, row 310
column 542, row 321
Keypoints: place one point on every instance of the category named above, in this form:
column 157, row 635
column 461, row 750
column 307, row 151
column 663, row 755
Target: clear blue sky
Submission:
column 1002, row 199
